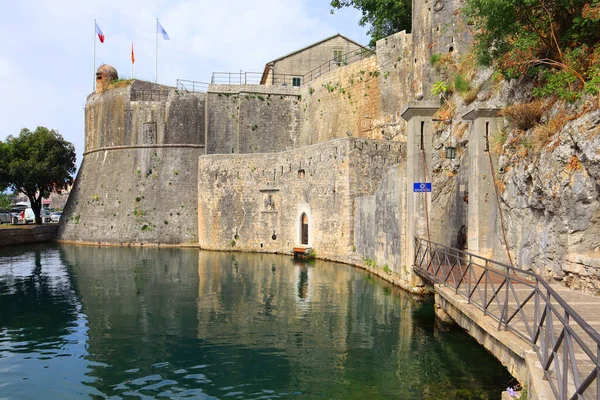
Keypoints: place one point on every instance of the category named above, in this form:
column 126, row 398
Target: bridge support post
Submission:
column 482, row 209
column 419, row 116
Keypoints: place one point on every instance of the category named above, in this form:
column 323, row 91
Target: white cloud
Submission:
column 46, row 63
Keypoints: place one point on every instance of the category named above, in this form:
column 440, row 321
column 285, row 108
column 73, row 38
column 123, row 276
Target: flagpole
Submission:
column 94, row 85
column 156, row 58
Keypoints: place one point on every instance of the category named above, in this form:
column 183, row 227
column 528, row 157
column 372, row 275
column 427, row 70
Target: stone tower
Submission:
column 437, row 28
column 105, row 74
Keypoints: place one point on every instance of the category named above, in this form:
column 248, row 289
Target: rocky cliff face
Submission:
column 546, row 163
column 552, row 197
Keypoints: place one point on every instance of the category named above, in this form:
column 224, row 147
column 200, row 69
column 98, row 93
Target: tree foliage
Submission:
column 36, row 163
column 384, row 17
column 5, row 200
column 557, row 39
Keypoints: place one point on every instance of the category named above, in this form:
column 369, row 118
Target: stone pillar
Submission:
column 482, row 208
column 420, row 136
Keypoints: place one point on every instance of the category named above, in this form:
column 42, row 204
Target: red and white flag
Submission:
column 132, row 54
column 100, row 34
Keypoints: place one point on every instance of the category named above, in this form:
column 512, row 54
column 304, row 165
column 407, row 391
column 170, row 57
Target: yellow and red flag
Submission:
column 132, row 54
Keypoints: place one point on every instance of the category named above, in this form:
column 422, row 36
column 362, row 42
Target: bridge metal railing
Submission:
column 522, row 302
column 191, row 86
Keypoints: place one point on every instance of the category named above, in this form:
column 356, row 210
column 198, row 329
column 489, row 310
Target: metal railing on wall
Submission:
column 191, row 86
column 522, row 302
column 254, row 78
column 337, row 62
column 236, row 78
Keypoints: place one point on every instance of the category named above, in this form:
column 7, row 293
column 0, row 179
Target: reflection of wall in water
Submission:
column 327, row 307
column 45, row 295
column 322, row 316
column 304, row 275
column 126, row 292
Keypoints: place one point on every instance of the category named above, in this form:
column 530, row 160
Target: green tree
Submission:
column 5, row 200
column 556, row 37
column 384, row 17
column 36, row 163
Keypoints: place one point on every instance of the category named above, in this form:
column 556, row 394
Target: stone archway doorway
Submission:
column 304, row 229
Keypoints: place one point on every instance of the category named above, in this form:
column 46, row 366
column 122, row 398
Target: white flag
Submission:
column 161, row 30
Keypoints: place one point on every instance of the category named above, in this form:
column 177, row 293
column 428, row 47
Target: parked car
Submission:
column 29, row 216
column 45, row 216
column 55, row 216
column 23, row 216
column 5, row 217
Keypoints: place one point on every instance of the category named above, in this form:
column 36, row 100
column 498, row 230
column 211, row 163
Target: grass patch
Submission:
column 146, row 228
column 524, row 116
column 542, row 134
column 370, row 262
column 498, row 139
column 461, row 84
column 118, row 83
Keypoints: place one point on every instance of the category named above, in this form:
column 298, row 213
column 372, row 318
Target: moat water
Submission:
column 87, row 322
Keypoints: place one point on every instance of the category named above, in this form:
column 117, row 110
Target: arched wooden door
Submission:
column 304, row 228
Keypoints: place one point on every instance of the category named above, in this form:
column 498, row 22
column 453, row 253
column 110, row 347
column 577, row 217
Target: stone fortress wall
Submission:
column 137, row 180
column 251, row 118
column 255, row 202
column 163, row 166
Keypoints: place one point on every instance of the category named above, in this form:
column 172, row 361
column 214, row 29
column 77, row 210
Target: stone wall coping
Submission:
column 254, row 89
column 146, row 146
column 95, row 96
column 480, row 112
column 135, row 85
column 25, row 234
column 383, row 41
column 305, row 148
column 419, row 109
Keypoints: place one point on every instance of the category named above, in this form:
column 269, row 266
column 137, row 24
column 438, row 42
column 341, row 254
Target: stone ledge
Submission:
column 578, row 263
column 512, row 351
column 185, row 245
column 27, row 234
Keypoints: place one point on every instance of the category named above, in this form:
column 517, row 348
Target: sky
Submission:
column 46, row 48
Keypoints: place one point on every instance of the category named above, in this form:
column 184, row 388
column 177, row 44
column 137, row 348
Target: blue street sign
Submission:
column 422, row 187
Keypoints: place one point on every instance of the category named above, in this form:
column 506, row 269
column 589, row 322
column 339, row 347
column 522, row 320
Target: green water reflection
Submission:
column 174, row 323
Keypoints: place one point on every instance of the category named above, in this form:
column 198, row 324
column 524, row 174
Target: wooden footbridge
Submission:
column 557, row 324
